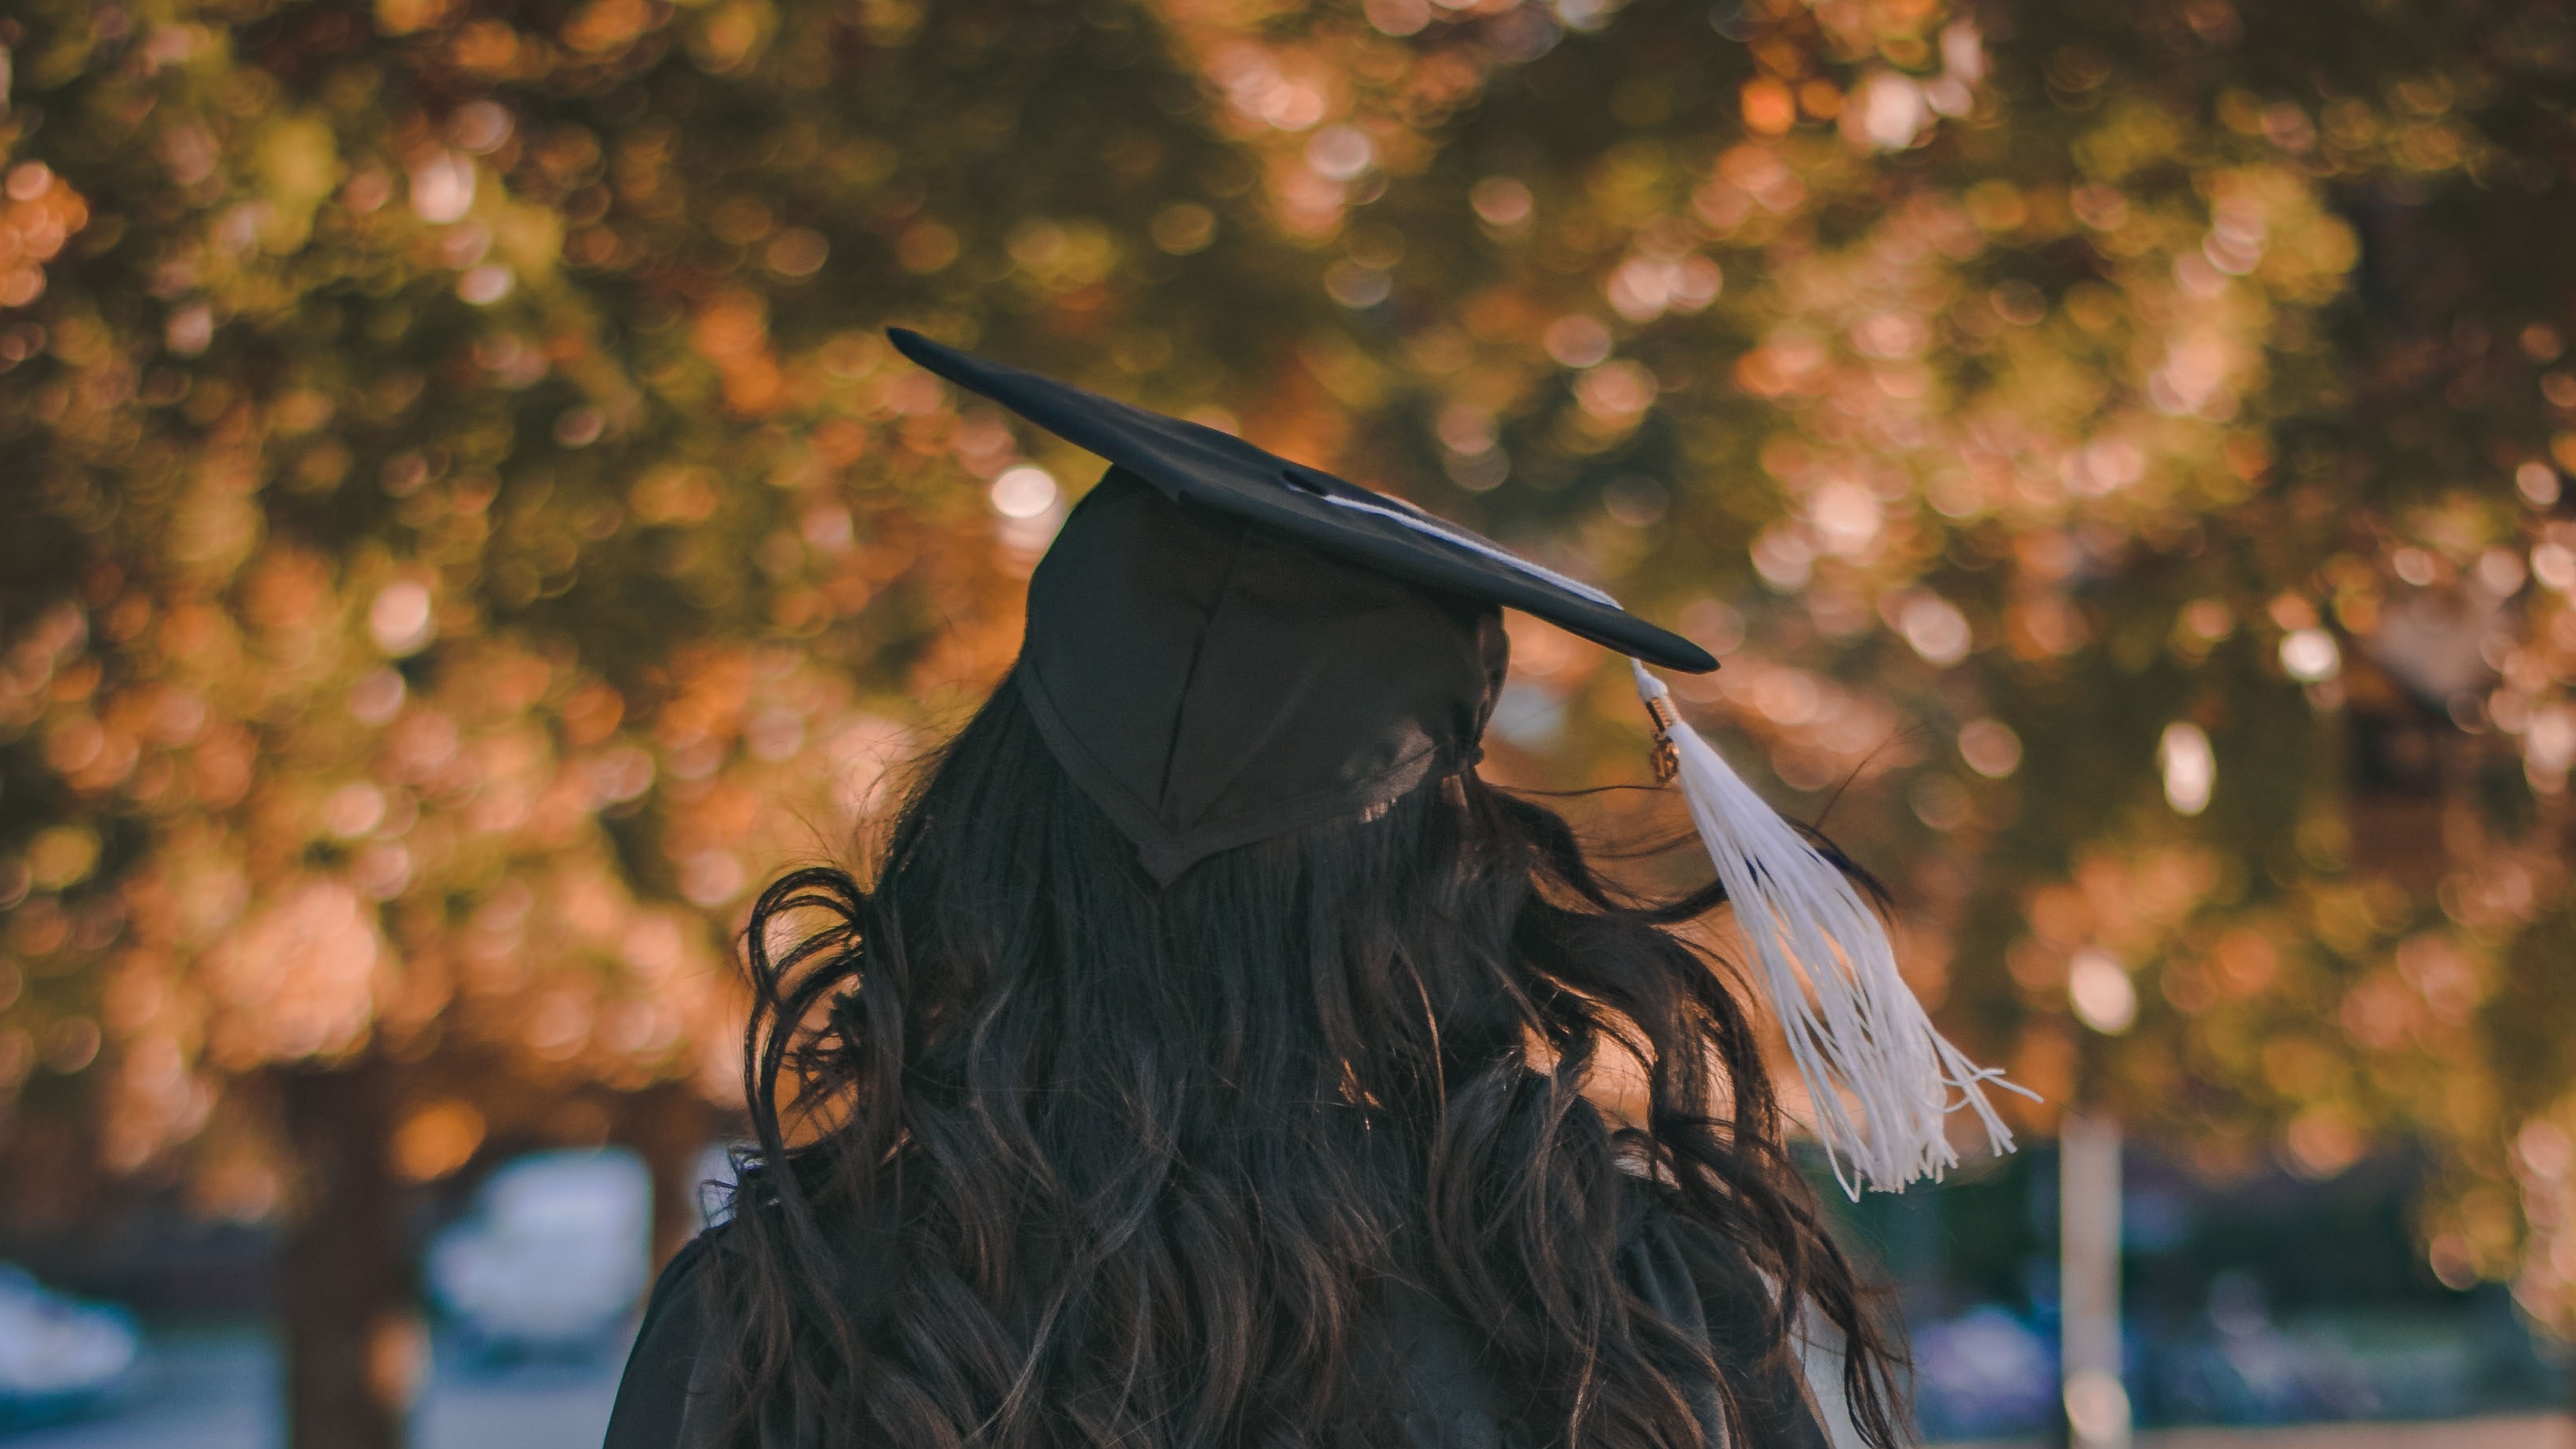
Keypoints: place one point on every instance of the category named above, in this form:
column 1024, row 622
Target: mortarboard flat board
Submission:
column 1217, row 470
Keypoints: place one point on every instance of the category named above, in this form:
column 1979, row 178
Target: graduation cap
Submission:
column 1224, row 646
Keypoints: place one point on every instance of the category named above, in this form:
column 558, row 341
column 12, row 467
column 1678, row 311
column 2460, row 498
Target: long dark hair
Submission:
column 1145, row 1153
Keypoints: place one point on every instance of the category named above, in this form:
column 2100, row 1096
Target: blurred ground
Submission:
column 2538, row 1431
column 2533, row 1431
column 218, row 1390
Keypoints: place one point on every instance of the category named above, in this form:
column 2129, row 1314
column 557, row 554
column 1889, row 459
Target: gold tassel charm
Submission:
column 1667, row 757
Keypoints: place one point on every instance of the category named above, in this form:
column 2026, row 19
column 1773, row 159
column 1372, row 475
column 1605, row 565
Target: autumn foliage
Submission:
column 466, row 530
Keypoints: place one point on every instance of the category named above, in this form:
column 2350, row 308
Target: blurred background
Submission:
column 465, row 532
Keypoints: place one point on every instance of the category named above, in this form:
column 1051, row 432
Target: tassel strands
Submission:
column 1883, row 1081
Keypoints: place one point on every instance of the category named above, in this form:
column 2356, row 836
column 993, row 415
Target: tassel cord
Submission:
column 1881, row 1079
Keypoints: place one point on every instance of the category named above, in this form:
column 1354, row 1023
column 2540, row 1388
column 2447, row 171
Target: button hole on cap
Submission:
column 1305, row 481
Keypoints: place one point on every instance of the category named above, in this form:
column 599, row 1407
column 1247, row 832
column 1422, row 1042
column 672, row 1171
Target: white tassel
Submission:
column 1853, row 1025
column 1881, row 1078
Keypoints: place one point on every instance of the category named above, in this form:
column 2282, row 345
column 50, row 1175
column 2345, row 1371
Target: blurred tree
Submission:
column 468, row 530
column 2143, row 432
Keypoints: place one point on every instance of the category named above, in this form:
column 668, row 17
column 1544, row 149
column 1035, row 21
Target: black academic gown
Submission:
column 672, row 1395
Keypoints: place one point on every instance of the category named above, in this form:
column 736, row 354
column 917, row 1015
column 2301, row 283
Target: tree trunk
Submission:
column 355, row 1348
column 669, row 1126
column 2095, row 1403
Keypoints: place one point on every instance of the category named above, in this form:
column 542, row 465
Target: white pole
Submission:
column 2088, row 1215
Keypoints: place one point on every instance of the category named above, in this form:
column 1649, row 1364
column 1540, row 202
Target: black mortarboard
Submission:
column 1191, row 462
column 1223, row 646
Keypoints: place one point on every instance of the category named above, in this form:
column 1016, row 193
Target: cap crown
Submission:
column 1209, row 682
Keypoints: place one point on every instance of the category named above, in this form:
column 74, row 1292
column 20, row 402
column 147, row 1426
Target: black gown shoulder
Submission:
column 674, row 1393
column 664, row 1375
